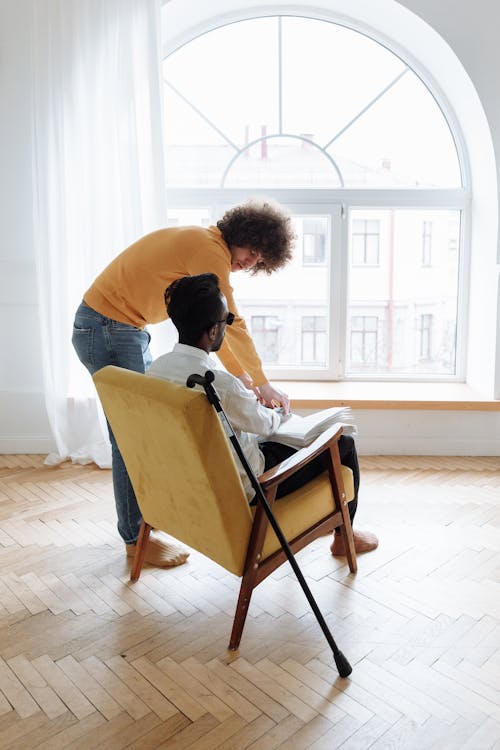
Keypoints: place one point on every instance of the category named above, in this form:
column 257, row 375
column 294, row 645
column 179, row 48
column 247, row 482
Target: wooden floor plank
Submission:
column 66, row 690
column 88, row 660
column 176, row 695
column 33, row 681
column 128, row 700
column 146, row 692
column 263, row 702
column 15, row 692
column 156, row 736
column 181, row 676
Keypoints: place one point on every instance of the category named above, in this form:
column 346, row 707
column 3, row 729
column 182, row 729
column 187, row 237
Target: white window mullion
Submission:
column 338, row 290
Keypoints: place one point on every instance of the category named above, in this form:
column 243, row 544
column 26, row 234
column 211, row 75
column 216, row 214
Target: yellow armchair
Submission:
column 187, row 484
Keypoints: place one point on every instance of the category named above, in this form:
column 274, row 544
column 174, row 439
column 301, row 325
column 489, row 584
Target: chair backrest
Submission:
column 180, row 463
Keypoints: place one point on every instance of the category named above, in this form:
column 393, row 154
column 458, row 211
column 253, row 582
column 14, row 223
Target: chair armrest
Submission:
column 277, row 474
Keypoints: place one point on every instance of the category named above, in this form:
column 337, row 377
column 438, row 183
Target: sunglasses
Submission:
column 228, row 320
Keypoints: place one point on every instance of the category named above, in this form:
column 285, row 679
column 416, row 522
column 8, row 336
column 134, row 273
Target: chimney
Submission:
column 247, row 134
column 306, row 146
column 263, row 144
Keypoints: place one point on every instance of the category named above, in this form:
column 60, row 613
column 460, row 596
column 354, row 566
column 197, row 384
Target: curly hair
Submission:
column 261, row 226
column 193, row 304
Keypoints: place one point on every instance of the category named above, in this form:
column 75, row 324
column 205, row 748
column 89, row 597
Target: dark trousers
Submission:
column 274, row 453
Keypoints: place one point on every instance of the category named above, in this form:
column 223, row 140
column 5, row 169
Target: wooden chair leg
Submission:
column 247, row 586
column 251, row 570
column 348, row 539
column 335, row 471
column 140, row 550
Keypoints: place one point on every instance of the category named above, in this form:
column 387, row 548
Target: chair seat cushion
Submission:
column 303, row 508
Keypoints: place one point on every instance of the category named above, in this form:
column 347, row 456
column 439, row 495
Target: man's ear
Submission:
column 212, row 332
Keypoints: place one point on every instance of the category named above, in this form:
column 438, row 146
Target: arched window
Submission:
column 336, row 126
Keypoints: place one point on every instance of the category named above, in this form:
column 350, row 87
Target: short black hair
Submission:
column 262, row 226
column 194, row 304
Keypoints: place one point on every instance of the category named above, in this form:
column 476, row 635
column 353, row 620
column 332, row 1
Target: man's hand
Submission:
column 270, row 396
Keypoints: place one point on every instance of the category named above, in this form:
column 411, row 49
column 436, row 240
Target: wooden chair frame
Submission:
column 257, row 569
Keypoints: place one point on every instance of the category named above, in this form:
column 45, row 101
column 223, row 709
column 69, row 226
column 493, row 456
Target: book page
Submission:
column 298, row 430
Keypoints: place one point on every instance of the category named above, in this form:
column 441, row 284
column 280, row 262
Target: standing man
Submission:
column 109, row 327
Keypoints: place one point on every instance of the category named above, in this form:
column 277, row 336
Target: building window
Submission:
column 426, row 243
column 265, row 335
column 365, row 242
column 453, row 236
column 425, row 336
column 364, row 339
column 314, row 235
column 313, row 339
column 370, row 173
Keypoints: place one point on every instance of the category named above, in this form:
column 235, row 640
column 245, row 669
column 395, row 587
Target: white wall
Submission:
column 469, row 29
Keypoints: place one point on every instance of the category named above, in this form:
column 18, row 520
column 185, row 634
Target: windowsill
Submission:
column 378, row 395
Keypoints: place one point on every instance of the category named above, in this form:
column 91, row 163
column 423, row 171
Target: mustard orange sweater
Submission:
column 131, row 287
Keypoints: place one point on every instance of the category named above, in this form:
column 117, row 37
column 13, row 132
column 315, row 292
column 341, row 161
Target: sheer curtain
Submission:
column 99, row 180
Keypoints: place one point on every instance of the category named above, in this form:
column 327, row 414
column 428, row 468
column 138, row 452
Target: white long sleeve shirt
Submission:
column 249, row 419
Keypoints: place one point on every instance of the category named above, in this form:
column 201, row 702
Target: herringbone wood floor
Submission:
column 88, row 660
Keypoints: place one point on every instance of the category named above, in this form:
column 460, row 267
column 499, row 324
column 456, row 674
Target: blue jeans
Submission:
column 101, row 341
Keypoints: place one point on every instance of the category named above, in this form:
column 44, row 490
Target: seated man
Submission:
column 199, row 311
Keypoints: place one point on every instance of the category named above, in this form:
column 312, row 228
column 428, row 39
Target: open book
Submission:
column 298, row 431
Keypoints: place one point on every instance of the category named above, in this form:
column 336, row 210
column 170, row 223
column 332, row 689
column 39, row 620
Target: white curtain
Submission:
column 99, row 179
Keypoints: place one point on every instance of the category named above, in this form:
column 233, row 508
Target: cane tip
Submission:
column 343, row 666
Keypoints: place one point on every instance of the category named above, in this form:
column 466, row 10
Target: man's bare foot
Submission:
column 161, row 551
column 364, row 541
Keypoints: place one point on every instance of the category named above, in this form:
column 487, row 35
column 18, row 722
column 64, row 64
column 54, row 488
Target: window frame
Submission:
column 314, row 263
column 266, row 329
column 314, row 331
column 364, row 331
column 365, row 234
column 340, row 201
column 427, row 230
column 425, row 334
